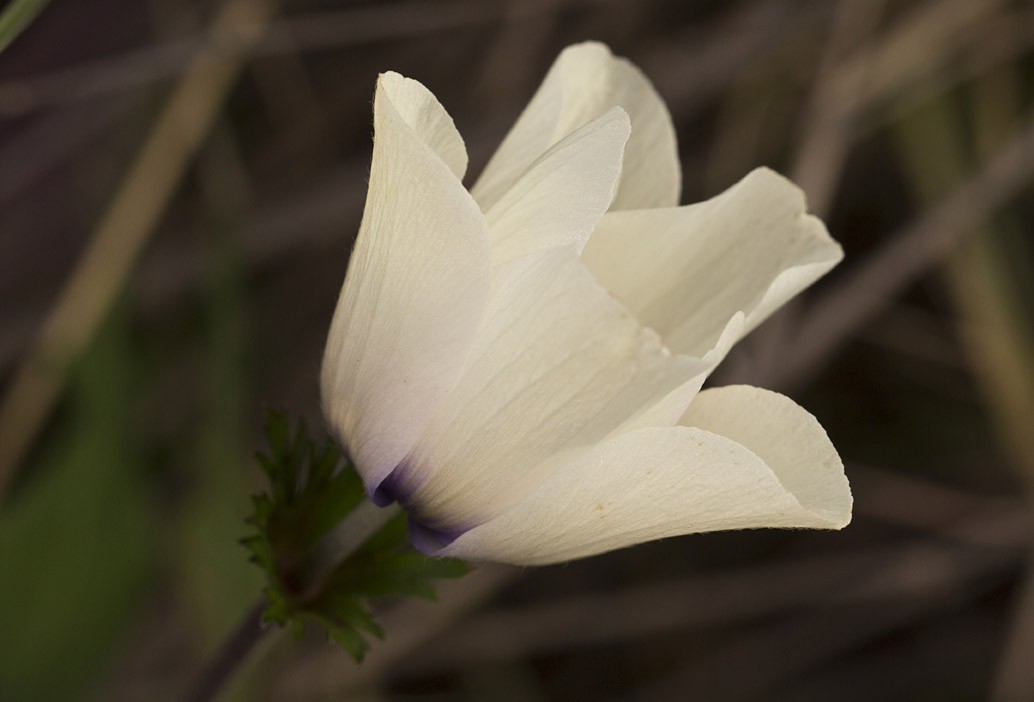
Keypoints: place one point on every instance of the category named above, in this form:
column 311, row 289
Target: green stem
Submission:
column 346, row 536
column 330, row 551
column 231, row 654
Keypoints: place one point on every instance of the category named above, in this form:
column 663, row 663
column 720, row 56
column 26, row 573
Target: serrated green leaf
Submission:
column 363, row 620
column 441, row 568
column 348, row 638
column 392, row 536
column 278, row 610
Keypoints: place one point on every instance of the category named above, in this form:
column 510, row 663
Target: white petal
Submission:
column 667, row 411
column 416, row 286
column 786, row 437
column 585, row 81
column 558, row 365
column 686, row 271
column 563, row 194
column 420, row 109
column 660, row 482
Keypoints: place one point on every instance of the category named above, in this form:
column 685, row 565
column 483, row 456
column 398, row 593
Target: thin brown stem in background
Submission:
column 907, row 255
column 231, row 655
column 116, row 243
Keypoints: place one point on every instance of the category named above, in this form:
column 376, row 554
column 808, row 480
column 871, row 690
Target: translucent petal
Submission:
column 585, row 81
column 557, row 366
column 416, row 286
column 776, row 469
column 563, row 194
column 686, row 271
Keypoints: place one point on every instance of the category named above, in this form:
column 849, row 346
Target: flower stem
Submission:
column 330, row 551
column 231, row 654
column 347, row 535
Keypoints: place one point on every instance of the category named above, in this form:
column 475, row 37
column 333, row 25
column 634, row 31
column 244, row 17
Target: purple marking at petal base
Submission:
column 427, row 539
column 391, row 489
column 382, row 496
column 431, row 541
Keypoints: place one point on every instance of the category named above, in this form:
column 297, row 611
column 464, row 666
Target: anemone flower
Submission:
column 520, row 365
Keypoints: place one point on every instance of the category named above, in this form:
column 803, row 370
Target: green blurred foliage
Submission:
column 16, row 17
column 77, row 543
column 219, row 582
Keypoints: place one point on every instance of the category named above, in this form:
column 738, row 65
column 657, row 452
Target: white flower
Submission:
column 520, row 365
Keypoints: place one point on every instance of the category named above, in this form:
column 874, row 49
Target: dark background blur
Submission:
column 180, row 182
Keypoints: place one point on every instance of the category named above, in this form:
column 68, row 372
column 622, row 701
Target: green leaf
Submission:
column 16, row 17
column 312, row 490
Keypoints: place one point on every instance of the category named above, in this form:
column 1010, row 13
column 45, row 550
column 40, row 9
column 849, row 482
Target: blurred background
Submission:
column 180, row 183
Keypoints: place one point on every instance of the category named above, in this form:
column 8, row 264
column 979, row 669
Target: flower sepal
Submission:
column 315, row 500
